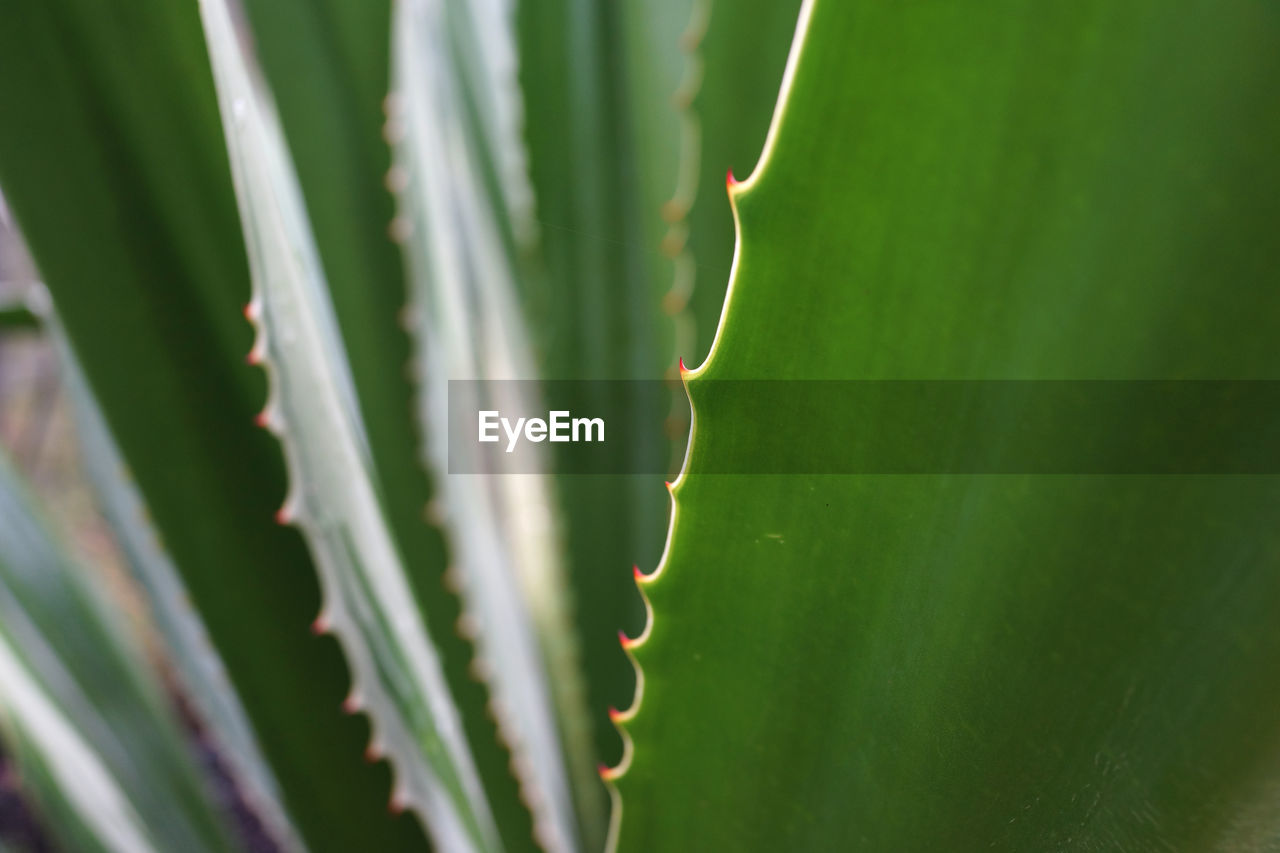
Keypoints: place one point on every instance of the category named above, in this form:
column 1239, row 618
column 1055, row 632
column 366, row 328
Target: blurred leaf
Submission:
column 78, row 794
column 1023, row 190
column 662, row 72
column 590, row 294
column 618, row 159
column 328, row 65
column 120, row 184
column 200, row 671
column 454, row 126
column 335, row 497
column 16, row 317
column 592, row 307
column 88, row 724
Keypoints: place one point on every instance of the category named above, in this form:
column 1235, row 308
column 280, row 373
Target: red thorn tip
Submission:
column 320, row 625
column 370, row 755
column 252, row 358
column 729, row 180
column 283, row 516
column 614, row 714
column 603, row 771
column 625, row 641
column 683, row 369
column 636, row 571
column 351, row 704
column 260, row 419
column 394, row 806
column 248, row 311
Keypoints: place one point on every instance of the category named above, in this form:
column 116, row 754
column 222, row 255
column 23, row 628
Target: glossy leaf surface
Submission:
column 1017, row 191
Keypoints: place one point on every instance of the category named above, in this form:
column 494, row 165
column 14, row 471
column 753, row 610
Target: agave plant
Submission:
column 971, row 541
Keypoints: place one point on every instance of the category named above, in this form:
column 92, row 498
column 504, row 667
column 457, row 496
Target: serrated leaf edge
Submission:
column 420, row 731
column 735, row 190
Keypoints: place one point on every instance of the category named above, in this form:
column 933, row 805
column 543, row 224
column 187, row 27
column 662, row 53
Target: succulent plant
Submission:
column 971, row 538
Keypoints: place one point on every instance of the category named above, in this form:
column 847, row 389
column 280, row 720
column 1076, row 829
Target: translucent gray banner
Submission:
column 1157, row 427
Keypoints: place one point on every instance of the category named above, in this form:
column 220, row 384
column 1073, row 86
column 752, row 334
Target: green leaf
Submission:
column 120, row 184
column 86, row 719
column 87, row 804
column 335, row 497
column 328, row 65
column 453, row 122
column 16, row 317
column 590, row 296
column 904, row 662
column 619, row 156
column 741, row 53
column 702, row 81
column 198, row 668
column 662, row 75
